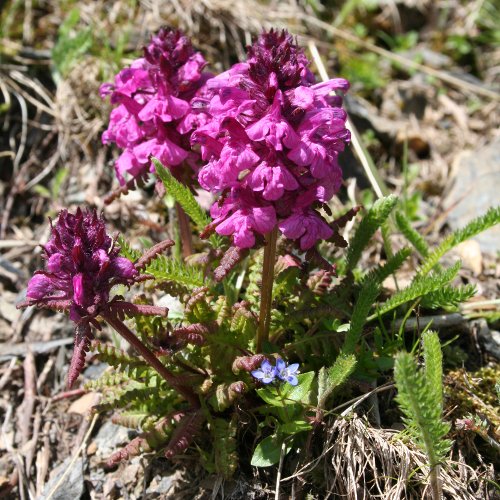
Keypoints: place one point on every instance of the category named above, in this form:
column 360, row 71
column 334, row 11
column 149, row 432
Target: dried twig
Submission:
column 408, row 63
column 366, row 160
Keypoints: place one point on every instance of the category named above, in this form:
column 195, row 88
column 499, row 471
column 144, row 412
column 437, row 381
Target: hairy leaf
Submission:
column 331, row 378
column 375, row 217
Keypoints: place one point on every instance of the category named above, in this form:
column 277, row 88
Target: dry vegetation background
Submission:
column 425, row 98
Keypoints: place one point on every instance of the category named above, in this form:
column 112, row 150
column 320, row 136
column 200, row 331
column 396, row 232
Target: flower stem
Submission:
column 185, row 231
column 266, row 296
column 149, row 357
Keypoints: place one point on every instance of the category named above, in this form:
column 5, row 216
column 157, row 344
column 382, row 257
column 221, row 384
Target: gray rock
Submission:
column 160, row 486
column 489, row 339
column 475, row 181
column 110, row 437
column 93, row 372
column 71, row 487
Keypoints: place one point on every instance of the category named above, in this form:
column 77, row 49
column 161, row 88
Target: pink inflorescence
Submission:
column 152, row 99
column 82, row 266
column 272, row 144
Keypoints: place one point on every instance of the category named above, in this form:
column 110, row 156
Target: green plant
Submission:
column 420, row 397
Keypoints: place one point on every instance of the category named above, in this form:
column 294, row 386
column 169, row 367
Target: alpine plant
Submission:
column 152, row 113
column 271, row 145
column 82, row 265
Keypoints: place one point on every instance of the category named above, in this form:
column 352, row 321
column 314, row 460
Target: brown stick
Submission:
column 185, row 231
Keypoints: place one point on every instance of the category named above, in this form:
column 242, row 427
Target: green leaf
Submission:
column 267, row 452
column 183, row 195
column 421, row 286
column 295, row 427
column 476, row 226
column 126, row 250
column 375, row 217
column 413, row 236
column 421, row 405
column 448, row 297
column 289, row 394
column 163, row 268
column 270, row 396
column 337, row 374
column 366, row 298
column 300, row 393
column 433, row 357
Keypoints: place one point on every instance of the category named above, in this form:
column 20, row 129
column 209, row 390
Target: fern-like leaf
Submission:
column 367, row 296
column 163, row 268
column 416, row 289
column 413, row 236
column 146, row 442
column 226, row 394
column 448, row 297
column 185, row 198
column 224, row 440
column 422, row 408
column 126, row 250
column 107, row 379
column 83, row 337
column 375, row 217
column 184, row 434
column 433, row 358
column 476, row 226
column 131, row 365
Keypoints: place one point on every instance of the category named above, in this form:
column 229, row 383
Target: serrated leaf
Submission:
column 418, row 288
column 476, row 226
column 185, row 198
column 374, row 218
column 337, row 374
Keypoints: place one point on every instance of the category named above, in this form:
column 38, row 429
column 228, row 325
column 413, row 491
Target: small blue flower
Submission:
column 287, row 373
column 266, row 373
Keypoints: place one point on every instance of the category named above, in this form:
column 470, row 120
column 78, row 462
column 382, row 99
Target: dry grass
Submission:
column 363, row 462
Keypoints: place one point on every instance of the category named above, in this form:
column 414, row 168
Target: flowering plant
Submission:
column 152, row 113
column 264, row 139
column 272, row 144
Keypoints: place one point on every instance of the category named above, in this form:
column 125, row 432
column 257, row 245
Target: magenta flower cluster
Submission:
column 153, row 113
column 272, row 144
column 82, row 265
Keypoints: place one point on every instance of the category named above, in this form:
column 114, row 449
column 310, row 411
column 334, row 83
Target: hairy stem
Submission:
column 266, row 295
column 150, row 358
column 435, row 484
column 185, row 231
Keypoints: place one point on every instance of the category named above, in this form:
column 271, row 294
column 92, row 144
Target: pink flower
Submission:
column 242, row 223
column 153, row 114
column 272, row 180
column 271, row 143
column 273, row 128
column 307, row 226
column 239, row 217
column 82, row 265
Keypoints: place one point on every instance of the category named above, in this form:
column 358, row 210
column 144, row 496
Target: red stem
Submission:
column 150, row 358
column 266, row 295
